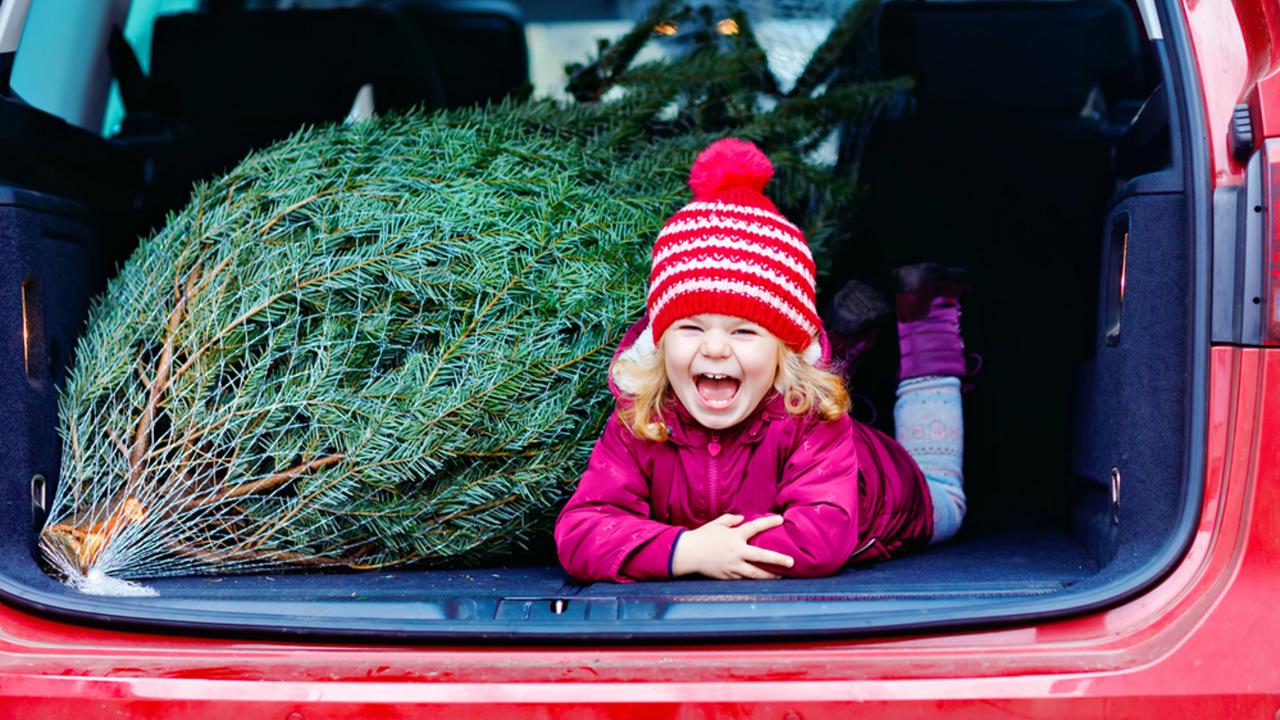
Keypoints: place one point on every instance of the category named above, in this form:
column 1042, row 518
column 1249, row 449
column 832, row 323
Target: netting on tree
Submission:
column 386, row 343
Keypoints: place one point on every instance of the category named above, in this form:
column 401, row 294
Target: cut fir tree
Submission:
column 386, row 343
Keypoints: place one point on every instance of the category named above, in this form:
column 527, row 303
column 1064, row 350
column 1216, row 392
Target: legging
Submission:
column 930, row 425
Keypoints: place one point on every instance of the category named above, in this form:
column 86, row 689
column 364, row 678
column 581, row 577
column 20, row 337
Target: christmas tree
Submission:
column 386, row 343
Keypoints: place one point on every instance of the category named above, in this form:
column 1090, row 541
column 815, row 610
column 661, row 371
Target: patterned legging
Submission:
column 930, row 425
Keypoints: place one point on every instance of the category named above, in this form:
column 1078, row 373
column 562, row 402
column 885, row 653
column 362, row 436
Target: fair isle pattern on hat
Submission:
column 730, row 252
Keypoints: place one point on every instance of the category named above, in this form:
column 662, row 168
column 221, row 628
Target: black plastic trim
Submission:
column 11, row 196
column 1239, row 258
column 1228, row 203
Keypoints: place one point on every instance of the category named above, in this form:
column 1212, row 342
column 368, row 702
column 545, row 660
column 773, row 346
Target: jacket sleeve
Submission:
column 605, row 532
column 818, row 500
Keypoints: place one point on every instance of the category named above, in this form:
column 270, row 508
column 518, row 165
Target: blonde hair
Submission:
column 803, row 387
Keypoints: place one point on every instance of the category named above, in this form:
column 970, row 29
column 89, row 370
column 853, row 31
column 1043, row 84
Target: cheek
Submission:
column 677, row 358
column 760, row 366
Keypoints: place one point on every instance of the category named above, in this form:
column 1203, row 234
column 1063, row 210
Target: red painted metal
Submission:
column 1271, row 239
column 1260, row 28
column 1218, row 44
column 1199, row 644
column 1237, row 51
column 1264, row 103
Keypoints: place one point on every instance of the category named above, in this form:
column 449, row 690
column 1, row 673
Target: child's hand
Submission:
column 719, row 549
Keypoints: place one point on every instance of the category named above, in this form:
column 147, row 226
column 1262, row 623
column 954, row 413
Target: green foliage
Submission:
column 386, row 343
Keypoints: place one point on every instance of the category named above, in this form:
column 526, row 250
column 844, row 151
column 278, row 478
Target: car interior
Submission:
column 1043, row 148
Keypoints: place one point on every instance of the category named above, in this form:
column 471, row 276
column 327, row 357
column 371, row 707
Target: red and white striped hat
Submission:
column 730, row 252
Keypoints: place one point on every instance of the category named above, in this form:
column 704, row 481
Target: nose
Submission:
column 715, row 343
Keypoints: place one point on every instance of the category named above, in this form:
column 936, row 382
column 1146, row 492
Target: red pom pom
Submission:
column 729, row 163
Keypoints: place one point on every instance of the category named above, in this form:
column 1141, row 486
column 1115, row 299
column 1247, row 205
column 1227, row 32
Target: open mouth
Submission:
column 715, row 390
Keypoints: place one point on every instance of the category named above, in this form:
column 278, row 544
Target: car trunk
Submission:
column 1083, row 427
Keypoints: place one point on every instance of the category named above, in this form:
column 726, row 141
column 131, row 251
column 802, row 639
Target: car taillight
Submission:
column 1270, row 296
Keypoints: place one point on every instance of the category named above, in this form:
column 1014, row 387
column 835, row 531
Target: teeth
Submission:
column 714, row 376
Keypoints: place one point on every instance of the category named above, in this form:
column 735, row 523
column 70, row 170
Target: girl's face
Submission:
column 720, row 366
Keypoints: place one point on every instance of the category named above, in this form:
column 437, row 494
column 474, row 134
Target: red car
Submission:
column 1109, row 172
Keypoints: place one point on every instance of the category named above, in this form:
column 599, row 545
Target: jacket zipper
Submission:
column 855, row 556
column 865, row 547
column 713, row 449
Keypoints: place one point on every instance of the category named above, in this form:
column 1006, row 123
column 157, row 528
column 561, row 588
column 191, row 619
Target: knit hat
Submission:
column 730, row 252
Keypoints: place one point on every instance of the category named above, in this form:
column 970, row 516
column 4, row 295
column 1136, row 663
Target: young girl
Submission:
column 731, row 453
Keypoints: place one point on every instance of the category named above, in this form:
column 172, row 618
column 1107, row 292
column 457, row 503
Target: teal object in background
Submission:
column 61, row 65
column 137, row 30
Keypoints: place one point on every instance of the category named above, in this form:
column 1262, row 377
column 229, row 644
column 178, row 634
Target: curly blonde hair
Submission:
column 803, row 387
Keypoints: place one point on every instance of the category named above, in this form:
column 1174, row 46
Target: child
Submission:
column 731, row 453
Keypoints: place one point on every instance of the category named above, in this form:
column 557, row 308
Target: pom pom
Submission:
column 729, row 163
column 817, row 353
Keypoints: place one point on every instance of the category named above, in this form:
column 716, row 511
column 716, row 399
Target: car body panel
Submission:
column 1237, row 51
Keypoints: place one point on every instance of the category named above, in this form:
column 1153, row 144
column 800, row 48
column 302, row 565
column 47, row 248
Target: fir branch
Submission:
column 386, row 343
column 588, row 83
column 833, row 50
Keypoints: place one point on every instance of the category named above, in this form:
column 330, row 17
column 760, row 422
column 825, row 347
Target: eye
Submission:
column 688, row 327
column 745, row 331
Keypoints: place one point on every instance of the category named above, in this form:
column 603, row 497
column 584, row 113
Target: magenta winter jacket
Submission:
column 846, row 492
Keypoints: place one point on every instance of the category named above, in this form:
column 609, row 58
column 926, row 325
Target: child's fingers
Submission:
column 727, row 520
column 759, row 525
column 760, row 555
column 747, row 570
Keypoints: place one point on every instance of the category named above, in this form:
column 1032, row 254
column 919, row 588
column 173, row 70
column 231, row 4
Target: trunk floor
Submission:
column 1010, row 562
